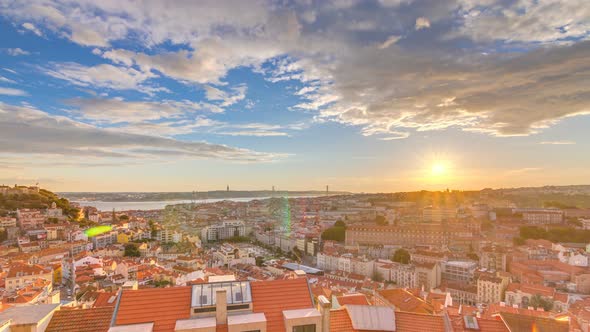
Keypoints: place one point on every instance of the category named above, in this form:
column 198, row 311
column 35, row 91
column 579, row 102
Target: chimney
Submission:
column 221, row 306
column 324, row 306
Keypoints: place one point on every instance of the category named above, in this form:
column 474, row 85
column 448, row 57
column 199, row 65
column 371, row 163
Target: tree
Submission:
column 124, row 217
column 473, row 256
column 339, row 223
column 259, row 260
column 380, row 220
column 537, row 301
column 517, row 240
column 335, row 234
column 377, row 276
column 401, row 256
column 131, row 250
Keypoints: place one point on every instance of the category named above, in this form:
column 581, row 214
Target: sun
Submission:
column 438, row 169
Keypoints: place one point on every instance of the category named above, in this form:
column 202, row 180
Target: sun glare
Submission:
column 438, row 169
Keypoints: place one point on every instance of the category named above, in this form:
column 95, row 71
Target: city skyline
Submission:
column 363, row 96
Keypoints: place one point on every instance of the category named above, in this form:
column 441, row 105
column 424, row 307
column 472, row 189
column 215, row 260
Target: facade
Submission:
column 438, row 214
column 491, row 287
column 411, row 235
column 20, row 275
column 30, row 218
column 103, row 240
column 223, row 231
column 462, row 271
column 428, row 275
column 541, row 216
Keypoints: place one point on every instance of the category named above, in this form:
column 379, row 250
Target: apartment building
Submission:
column 491, row 287
column 21, row 274
column 458, row 270
column 407, row 235
column 223, row 231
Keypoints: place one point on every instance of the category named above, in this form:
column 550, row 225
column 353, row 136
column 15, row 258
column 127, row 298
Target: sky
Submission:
column 363, row 96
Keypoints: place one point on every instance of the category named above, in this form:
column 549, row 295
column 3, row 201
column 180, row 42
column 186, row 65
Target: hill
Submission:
column 27, row 198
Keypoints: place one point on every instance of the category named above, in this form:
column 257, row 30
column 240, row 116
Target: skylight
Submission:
column 237, row 292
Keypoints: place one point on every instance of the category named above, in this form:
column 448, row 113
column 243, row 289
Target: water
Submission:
column 124, row 206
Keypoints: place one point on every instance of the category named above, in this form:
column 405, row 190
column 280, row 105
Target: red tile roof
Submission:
column 81, row 320
column 414, row 322
column 340, row 321
column 403, row 300
column 353, row 299
column 162, row 306
column 273, row 297
column 485, row 325
column 102, row 300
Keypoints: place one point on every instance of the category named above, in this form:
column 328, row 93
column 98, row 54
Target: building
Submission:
column 541, row 216
column 30, row 218
column 104, row 240
column 166, row 235
column 493, row 258
column 407, row 235
column 21, row 274
column 428, row 275
column 223, row 231
column 438, row 214
column 491, row 287
column 462, row 271
column 278, row 305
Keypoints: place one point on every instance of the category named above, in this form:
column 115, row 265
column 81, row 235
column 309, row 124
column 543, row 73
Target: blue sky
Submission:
column 361, row 95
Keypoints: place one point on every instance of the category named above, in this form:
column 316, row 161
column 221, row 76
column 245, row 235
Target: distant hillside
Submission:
column 169, row 196
column 27, row 199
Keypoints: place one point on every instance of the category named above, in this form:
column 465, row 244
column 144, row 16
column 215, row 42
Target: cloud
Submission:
column 12, row 92
column 103, row 76
column 524, row 21
column 31, row 27
column 227, row 98
column 6, row 80
column 422, row 23
column 16, row 51
column 532, row 76
column 28, row 131
column 557, row 142
column 389, row 41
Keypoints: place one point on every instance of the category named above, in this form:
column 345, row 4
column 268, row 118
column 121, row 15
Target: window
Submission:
column 304, row 328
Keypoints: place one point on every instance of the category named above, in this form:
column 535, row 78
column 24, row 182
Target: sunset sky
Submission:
column 364, row 96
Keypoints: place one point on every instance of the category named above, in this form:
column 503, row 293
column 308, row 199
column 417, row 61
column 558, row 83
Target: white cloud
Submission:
column 6, row 80
column 226, row 98
column 557, row 142
column 31, row 27
column 389, row 41
column 16, row 51
column 103, row 76
column 422, row 23
column 28, row 131
column 12, row 92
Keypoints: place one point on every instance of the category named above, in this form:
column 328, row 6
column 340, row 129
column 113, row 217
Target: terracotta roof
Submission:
column 340, row 321
column 108, row 299
column 522, row 323
column 162, row 306
column 273, row 297
column 485, row 325
column 81, row 320
column 403, row 300
column 414, row 322
column 353, row 299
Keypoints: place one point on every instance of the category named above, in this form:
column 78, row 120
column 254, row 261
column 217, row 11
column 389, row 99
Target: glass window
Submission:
column 304, row 328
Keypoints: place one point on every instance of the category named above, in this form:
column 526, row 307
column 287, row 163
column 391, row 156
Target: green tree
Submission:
column 518, row 241
column 339, row 223
column 537, row 301
column 335, row 234
column 401, row 256
column 131, row 250
column 380, row 220
column 259, row 260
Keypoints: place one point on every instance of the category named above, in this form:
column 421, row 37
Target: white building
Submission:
column 223, row 231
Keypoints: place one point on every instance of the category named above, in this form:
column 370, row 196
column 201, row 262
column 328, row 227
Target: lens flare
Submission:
column 94, row 231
